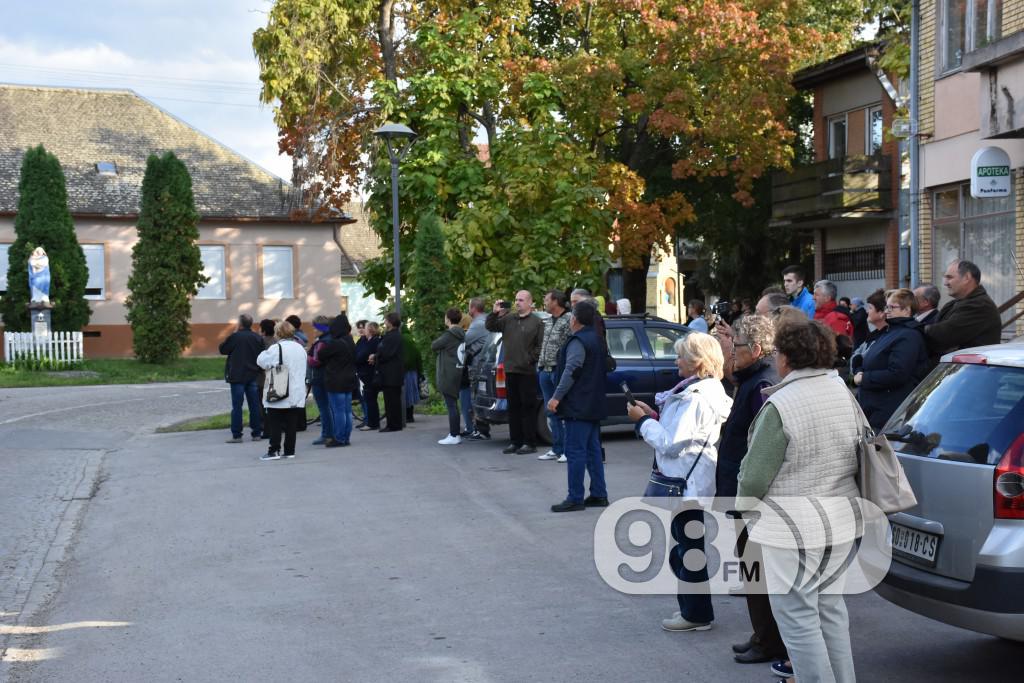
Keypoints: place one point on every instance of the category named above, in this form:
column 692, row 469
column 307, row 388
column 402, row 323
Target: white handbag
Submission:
column 880, row 474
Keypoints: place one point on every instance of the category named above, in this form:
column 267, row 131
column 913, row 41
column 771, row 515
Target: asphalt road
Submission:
column 180, row 557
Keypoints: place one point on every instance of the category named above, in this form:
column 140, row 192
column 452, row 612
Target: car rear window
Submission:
column 964, row 412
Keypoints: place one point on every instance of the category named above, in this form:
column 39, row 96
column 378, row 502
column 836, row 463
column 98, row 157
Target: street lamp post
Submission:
column 399, row 139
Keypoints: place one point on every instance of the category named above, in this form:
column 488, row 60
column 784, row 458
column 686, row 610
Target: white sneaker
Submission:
column 451, row 440
column 550, row 455
column 562, row 458
column 677, row 623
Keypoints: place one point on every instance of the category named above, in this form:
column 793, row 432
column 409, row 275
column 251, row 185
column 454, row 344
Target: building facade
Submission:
column 262, row 255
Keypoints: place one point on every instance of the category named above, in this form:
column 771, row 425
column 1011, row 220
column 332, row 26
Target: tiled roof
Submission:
column 358, row 240
column 83, row 127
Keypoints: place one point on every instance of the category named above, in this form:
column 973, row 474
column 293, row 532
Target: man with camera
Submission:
column 521, row 336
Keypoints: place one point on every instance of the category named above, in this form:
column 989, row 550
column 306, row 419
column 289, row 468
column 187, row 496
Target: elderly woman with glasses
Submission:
column 896, row 360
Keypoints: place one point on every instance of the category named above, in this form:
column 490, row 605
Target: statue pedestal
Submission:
column 39, row 317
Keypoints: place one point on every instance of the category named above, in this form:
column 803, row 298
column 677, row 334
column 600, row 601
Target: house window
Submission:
column 855, row 263
column 4, row 265
column 95, row 261
column 837, row 137
column 277, row 273
column 214, row 269
column 981, row 230
column 875, row 130
column 968, row 25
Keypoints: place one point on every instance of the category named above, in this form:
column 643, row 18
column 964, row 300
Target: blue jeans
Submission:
column 695, row 608
column 583, row 454
column 250, row 391
column 341, row 415
column 323, row 404
column 556, row 424
column 466, row 403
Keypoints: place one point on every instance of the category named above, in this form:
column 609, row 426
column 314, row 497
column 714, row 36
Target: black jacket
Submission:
column 748, row 400
column 971, row 321
column 241, row 348
column 365, row 347
column 893, row 365
column 338, row 357
column 859, row 320
column 390, row 370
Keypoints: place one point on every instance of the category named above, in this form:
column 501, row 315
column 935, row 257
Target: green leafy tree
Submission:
column 43, row 220
column 430, row 280
column 166, row 263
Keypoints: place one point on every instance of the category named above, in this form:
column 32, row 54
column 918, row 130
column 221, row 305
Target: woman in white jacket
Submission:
column 683, row 432
column 281, row 415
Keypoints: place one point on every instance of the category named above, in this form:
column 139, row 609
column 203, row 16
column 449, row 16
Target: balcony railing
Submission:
column 855, row 185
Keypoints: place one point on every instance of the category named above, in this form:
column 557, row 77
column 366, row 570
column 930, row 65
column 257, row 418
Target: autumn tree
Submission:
column 167, row 269
column 43, row 220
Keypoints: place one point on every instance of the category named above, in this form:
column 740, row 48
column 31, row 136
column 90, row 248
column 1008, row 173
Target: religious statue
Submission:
column 39, row 276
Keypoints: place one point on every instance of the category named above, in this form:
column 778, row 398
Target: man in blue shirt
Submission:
column 793, row 283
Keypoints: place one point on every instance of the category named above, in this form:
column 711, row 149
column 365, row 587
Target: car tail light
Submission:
column 1009, row 482
column 499, row 381
column 970, row 359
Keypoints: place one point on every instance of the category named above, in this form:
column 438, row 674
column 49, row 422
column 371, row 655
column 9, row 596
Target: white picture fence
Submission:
column 59, row 347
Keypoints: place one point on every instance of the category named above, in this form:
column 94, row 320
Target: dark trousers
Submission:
column 372, row 410
column 282, row 420
column 452, row 404
column 695, row 604
column 393, row 407
column 522, row 408
column 250, row 392
column 766, row 631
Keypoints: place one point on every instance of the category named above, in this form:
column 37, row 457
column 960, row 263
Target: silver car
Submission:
column 958, row 557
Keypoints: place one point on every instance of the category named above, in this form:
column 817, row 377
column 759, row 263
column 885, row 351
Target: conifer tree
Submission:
column 43, row 220
column 431, row 287
column 166, row 263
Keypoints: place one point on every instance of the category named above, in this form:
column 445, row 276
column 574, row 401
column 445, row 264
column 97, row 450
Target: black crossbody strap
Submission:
column 697, row 459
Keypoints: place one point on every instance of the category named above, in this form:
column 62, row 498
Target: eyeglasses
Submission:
column 749, row 345
column 895, row 307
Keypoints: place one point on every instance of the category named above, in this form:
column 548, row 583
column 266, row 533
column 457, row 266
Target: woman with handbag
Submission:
column 802, row 460
column 683, row 432
column 449, row 376
column 285, row 365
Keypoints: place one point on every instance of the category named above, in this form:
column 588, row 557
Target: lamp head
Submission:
column 395, row 131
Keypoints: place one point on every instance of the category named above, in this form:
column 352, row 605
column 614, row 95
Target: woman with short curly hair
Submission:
column 803, row 449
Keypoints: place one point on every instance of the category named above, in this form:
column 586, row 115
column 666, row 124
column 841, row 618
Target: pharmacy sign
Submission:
column 990, row 173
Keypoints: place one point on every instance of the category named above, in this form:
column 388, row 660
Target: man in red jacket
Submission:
column 827, row 311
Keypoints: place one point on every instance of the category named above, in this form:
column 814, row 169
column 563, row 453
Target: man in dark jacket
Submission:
column 366, row 347
column 753, row 371
column 579, row 399
column 521, row 337
column 971, row 319
column 242, row 373
column 859, row 320
column 390, row 372
column 338, row 357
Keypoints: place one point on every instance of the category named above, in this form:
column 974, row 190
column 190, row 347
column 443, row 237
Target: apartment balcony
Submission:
column 834, row 192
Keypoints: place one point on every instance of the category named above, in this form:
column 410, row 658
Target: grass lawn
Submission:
column 115, row 371
column 432, row 406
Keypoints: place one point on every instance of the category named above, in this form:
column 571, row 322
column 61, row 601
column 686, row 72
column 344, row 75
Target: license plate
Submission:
column 482, row 386
column 915, row 544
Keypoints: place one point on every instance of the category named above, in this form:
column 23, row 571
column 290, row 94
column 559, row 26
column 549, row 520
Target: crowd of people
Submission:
column 762, row 408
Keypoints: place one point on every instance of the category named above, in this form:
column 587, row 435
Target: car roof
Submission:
column 1010, row 354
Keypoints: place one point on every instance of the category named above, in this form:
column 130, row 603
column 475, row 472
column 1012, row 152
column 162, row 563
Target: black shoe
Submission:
column 755, row 655
column 479, row 436
column 782, row 668
column 526, row 450
column 739, row 648
column 510, row 449
column 331, row 443
column 595, row 502
column 568, row 506
column 466, row 434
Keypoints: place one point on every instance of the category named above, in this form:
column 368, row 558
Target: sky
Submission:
column 193, row 58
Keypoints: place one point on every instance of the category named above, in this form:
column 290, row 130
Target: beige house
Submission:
column 261, row 253
column 972, row 96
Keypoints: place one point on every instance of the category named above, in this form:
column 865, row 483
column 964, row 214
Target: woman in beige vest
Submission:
column 801, row 461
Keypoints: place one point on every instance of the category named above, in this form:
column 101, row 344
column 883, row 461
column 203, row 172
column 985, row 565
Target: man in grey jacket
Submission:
column 521, row 334
column 476, row 340
column 556, row 332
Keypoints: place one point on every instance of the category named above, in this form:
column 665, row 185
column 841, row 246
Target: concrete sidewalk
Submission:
column 393, row 560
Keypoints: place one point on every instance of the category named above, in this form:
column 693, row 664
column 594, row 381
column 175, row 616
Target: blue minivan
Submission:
column 642, row 346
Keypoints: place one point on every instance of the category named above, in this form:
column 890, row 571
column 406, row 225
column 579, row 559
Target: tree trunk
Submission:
column 634, row 285
column 386, row 36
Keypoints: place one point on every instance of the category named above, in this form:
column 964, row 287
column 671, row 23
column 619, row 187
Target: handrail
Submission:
column 1010, row 303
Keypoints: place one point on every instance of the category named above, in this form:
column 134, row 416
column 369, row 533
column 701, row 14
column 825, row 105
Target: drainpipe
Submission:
column 915, row 157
